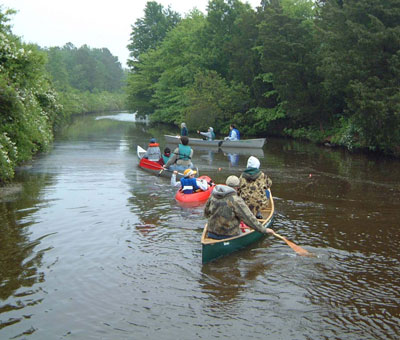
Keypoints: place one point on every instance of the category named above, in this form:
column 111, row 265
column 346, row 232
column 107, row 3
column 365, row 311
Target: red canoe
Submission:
column 154, row 167
column 197, row 198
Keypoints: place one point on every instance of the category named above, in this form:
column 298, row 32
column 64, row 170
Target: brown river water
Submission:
column 92, row 247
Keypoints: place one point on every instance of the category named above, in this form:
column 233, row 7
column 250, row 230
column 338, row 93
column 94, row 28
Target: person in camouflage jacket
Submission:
column 253, row 185
column 225, row 210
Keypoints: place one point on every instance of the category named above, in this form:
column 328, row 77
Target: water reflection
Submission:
column 225, row 278
column 21, row 250
column 233, row 159
column 94, row 237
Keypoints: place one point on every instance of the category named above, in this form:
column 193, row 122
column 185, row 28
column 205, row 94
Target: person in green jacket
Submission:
column 225, row 210
column 166, row 155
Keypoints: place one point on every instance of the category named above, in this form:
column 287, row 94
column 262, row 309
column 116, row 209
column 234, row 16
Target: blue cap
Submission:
column 153, row 140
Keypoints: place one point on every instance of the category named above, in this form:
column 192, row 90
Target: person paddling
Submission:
column 188, row 183
column 182, row 155
column 225, row 210
column 210, row 135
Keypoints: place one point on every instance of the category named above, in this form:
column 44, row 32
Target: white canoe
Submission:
column 243, row 143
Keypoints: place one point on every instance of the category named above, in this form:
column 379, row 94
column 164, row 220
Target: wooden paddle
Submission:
column 299, row 250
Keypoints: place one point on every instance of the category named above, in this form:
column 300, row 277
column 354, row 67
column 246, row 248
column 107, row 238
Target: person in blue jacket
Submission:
column 189, row 184
column 184, row 130
column 234, row 133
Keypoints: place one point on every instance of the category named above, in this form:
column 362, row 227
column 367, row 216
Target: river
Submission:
column 92, row 247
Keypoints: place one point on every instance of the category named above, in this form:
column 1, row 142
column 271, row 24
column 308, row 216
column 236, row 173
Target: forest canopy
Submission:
column 325, row 70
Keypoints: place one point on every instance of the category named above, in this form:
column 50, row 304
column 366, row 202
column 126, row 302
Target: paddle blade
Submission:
column 299, row 250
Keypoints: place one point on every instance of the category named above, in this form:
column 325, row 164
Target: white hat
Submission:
column 211, row 128
column 253, row 162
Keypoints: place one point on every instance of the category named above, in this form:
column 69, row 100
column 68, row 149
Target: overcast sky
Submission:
column 93, row 22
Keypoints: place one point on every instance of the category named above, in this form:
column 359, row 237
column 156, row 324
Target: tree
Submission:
column 360, row 63
column 84, row 68
column 213, row 101
column 221, row 26
column 149, row 31
column 288, row 52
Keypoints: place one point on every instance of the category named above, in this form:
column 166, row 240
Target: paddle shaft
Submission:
column 169, row 171
column 279, row 236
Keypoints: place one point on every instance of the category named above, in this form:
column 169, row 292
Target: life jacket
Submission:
column 151, row 145
column 212, row 135
column 165, row 158
column 237, row 133
column 189, row 185
column 184, row 152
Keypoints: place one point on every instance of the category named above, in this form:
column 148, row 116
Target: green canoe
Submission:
column 213, row 249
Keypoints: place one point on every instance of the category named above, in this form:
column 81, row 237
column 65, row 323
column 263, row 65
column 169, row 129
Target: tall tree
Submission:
column 149, row 31
column 360, row 63
column 221, row 22
column 288, row 53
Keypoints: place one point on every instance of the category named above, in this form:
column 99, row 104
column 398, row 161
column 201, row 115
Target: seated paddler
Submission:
column 225, row 210
column 153, row 152
column 209, row 135
column 189, row 184
column 165, row 156
column 182, row 155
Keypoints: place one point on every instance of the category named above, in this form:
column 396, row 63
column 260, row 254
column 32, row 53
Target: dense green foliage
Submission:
column 39, row 90
column 322, row 70
column 87, row 80
column 28, row 104
column 84, row 69
column 149, row 31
